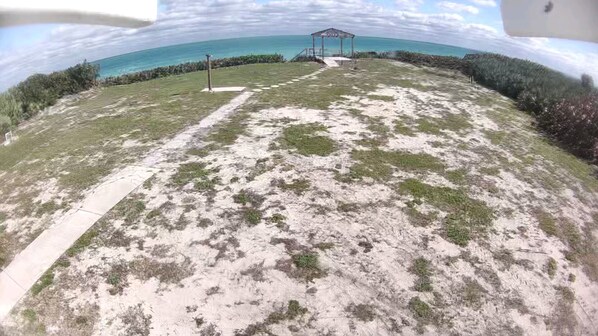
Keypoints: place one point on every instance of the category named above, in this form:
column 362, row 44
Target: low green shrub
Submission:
column 190, row 67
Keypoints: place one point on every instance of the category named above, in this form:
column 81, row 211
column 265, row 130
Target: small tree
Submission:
column 5, row 124
column 587, row 81
column 10, row 107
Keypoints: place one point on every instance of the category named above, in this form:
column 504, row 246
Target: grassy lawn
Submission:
column 71, row 151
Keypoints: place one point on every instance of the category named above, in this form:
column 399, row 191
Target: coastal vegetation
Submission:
column 565, row 108
column 39, row 91
column 190, row 67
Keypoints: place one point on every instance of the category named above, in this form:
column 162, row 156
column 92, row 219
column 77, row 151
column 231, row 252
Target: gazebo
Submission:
column 334, row 33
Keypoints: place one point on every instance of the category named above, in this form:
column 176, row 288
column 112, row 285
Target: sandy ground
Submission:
column 192, row 259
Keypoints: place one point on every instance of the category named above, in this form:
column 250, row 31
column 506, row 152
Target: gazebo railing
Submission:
column 309, row 52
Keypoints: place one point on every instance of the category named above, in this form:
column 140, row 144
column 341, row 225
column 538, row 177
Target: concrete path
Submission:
column 332, row 61
column 226, row 89
column 292, row 81
column 29, row 265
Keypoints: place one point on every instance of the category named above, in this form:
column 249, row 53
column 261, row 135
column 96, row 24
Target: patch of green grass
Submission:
column 467, row 217
column 228, row 132
column 82, row 243
column 117, row 277
column 457, row 176
column 201, row 152
column 306, row 141
column 324, row 246
column 298, row 186
column 206, row 184
column 3, row 217
column 46, row 280
column 48, row 208
column 377, row 164
column 417, row 218
column 420, row 309
column 429, row 127
column 421, row 268
column 574, row 166
column 473, row 293
column 582, row 246
column 29, row 315
column 378, row 127
column 252, row 216
column 492, row 171
column 551, row 267
column 403, row 129
column 153, row 214
column 244, row 197
column 572, row 237
column 241, row 197
column 457, row 232
column 130, row 209
column 449, row 122
column 381, row 97
column 547, row 223
column 83, row 176
column 362, row 312
column 306, row 260
column 277, row 218
column 188, row 172
column 293, row 311
column 308, row 265
column 348, row 207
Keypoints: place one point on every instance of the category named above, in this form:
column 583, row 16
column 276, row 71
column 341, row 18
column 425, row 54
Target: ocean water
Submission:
column 288, row 46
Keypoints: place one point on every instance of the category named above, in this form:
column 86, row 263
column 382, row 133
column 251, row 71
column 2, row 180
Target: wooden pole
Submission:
column 341, row 47
column 352, row 47
column 322, row 48
column 313, row 44
column 209, row 73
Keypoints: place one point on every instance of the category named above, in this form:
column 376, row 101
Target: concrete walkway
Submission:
column 29, row 265
column 332, row 61
column 226, row 89
column 292, row 81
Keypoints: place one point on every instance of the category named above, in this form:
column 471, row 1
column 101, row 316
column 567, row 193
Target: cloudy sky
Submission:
column 474, row 24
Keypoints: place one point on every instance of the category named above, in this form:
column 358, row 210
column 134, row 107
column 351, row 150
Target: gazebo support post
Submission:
column 332, row 33
column 208, row 56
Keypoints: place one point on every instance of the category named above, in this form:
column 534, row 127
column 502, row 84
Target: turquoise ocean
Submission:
column 288, row 46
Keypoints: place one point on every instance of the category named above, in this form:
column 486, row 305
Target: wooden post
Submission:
column 352, row 47
column 342, row 47
column 313, row 45
column 209, row 73
column 322, row 48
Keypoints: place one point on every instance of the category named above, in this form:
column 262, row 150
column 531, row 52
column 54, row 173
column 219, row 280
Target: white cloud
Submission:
column 189, row 21
column 409, row 5
column 457, row 7
column 487, row 3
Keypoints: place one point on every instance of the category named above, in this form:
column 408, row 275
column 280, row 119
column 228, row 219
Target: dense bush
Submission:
column 5, row 124
column 565, row 108
column 445, row 62
column 574, row 122
column 190, row 67
column 37, row 92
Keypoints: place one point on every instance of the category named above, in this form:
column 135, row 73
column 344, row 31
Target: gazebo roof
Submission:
column 333, row 32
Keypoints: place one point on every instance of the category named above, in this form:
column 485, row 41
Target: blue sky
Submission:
column 474, row 24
